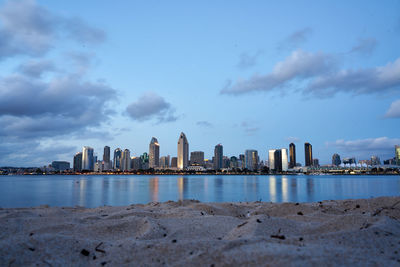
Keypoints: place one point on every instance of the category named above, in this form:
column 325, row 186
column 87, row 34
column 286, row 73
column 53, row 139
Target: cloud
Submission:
column 249, row 128
column 319, row 76
column 248, row 60
column 204, row 124
column 382, row 146
column 27, row 28
column 150, row 106
column 35, row 68
column 296, row 39
column 299, row 65
column 394, row 110
column 292, row 139
column 365, row 46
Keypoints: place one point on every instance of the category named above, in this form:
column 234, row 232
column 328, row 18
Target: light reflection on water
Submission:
column 93, row 191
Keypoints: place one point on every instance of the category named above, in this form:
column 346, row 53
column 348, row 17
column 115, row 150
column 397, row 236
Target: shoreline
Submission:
column 355, row 232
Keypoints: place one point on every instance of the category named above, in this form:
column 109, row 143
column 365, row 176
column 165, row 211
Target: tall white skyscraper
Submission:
column 87, row 158
column 271, row 159
column 154, row 153
column 284, row 157
column 183, row 152
column 126, row 160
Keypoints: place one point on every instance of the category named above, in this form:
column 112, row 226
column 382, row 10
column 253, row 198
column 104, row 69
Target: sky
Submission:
column 246, row 74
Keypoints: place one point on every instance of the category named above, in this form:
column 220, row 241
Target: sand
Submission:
column 362, row 232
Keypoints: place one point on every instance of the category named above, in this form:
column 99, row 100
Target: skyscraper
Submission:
column 218, row 155
column 164, row 162
column 336, row 160
column 183, row 152
column 397, row 153
column 117, row 159
column 78, row 162
column 308, row 154
column 292, row 152
column 271, row 159
column 251, row 159
column 106, row 159
column 87, row 158
column 284, row 159
column 197, row 158
column 174, row 162
column 154, row 153
column 126, row 160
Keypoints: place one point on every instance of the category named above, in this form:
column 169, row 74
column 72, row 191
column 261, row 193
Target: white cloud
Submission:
column 394, row 110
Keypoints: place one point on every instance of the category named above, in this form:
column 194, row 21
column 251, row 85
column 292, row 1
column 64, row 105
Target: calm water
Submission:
column 93, row 191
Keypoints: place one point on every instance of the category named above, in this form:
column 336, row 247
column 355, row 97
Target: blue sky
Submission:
column 249, row 75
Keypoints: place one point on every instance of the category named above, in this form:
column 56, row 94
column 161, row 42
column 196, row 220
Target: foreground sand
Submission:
column 351, row 232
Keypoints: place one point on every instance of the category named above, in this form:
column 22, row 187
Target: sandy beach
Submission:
column 362, row 232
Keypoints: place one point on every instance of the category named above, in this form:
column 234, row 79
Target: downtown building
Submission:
column 218, row 157
column 117, row 159
column 251, row 159
column 278, row 160
column 308, row 155
column 292, row 154
column 106, row 164
column 183, row 152
column 197, row 158
column 87, row 158
column 154, row 153
column 126, row 160
column 78, row 162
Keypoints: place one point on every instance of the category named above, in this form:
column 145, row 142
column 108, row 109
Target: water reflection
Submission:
column 94, row 191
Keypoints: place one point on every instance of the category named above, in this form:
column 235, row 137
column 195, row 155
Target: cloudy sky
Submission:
column 247, row 74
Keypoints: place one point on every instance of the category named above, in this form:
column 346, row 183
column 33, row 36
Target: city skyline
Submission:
column 244, row 75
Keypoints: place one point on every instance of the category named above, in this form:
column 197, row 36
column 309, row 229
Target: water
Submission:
column 116, row 190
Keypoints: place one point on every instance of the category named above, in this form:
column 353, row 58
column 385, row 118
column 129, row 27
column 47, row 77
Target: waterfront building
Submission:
column 271, row 159
column 78, row 162
column 242, row 161
column 106, row 159
column 284, row 159
column 183, row 152
column 117, row 159
column 316, row 162
column 308, row 154
column 397, row 154
column 60, row 165
column 197, row 158
column 336, row 160
column 292, row 154
column 251, row 159
column 126, row 160
column 144, row 161
column 375, row 160
column 164, row 162
column 218, row 155
column 174, row 162
column 87, row 158
column 233, row 162
column 136, row 163
column 225, row 162
column 154, row 153
column 98, row 166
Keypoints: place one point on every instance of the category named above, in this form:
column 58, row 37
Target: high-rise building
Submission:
column 292, row 153
column 284, row 159
column 136, row 163
column 78, row 162
column 154, row 153
column 233, row 162
column 87, row 158
column 271, row 159
column 316, row 162
column 397, row 154
column 197, row 158
column 218, row 155
column 308, row 154
column 106, row 159
column 144, row 161
column 164, row 162
column 183, row 152
column 126, row 160
column 174, row 162
column 242, row 161
column 336, row 160
column 251, row 159
column 117, row 159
